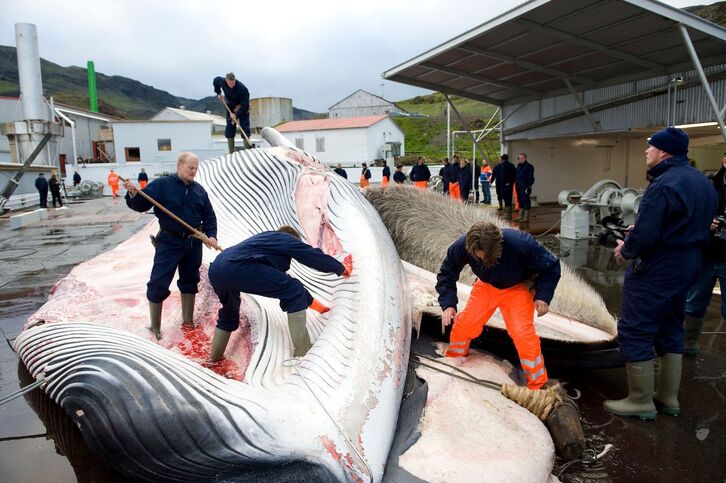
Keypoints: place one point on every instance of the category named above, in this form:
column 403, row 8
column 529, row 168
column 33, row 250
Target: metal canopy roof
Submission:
column 533, row 51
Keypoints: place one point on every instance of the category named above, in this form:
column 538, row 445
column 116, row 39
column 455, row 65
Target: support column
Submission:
column 702, row 77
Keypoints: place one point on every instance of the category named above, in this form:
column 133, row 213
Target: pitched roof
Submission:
column 195, row 116
column 324, row 124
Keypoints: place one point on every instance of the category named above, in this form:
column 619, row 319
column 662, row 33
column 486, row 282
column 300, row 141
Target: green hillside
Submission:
column 117, row 96
column 426, row 136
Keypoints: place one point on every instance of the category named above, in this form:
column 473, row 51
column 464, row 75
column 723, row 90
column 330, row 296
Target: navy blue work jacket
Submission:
column 187, row 201
column 675, row 212
column 524, row 175
column 420, row 173
column 276, row 249
column 237, row 97
column 507, row 174
column 452, row 171
column 41, row 184
column 386, row 172
column 464, row 178
column 399, row 177
column 522, row 258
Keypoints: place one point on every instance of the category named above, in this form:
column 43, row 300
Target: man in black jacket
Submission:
column 340, row 171
column 506, row 176
column 41, row 184
column 713, row 268
column 444, row 174
column 464, row 180
column 237, row 98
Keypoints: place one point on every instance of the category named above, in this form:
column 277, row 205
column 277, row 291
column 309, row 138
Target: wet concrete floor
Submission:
column 39, row 443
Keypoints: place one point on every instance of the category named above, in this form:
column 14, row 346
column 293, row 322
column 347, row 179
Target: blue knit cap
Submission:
column 671, row 140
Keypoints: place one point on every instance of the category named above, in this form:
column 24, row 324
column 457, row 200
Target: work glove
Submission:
column 319, row 307
column 348, row 264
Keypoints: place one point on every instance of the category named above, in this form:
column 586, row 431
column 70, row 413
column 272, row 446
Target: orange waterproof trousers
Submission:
column 517, row 307
column 143, row 184
column 421, row 185
column 385, row 181
column 364, row 182
column 455, row 192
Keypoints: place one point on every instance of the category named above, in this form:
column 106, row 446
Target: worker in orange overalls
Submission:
column 420, row 175
column 365, row 176
column 504, row 262
column 386, row 175
column 143, row 179
column 113, row 183
column 453, row 175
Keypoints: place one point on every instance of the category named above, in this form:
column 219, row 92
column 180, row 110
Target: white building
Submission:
column 350, row 140
column 362, row 103
column 160, row 141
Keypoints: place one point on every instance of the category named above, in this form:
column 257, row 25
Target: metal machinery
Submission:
column 585, row 211
column 29, row 137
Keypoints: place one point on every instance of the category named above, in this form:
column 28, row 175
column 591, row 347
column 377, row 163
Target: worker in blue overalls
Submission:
column 175, row 246
column 237, row 97
column 664, row 247
column 258, row 266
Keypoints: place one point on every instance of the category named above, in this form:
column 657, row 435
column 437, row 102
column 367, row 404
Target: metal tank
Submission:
column 269, row 111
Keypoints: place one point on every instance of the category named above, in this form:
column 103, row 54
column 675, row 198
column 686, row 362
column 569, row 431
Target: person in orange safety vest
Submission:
column 453, row 172
column 365, row 176
column 143, row 179
column 113, row 183
column 420, row 174
column 385, row 175
column 504, row 262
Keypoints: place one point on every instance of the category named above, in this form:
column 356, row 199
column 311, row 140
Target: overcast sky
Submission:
column 314, row 51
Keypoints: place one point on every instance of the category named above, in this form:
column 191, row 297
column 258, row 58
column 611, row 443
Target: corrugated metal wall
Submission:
column 691, row 106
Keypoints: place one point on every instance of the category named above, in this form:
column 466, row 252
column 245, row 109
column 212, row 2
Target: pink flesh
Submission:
column 110, row 290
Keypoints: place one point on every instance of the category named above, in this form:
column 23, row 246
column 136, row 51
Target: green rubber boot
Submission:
column 639, row 403
column 692, row 327
column 219, row 344
column 187, row 308
column 230, row 145
column 155, row 316
column 299, row 333
column 669, row 380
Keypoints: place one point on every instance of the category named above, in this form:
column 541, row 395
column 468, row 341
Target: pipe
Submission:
column 92, row 95
column 31, row 82
column 73, row 136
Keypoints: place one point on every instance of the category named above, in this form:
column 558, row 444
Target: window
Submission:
column 300, row 143
column 133, row 154
column 164, row 144
column 320, row 145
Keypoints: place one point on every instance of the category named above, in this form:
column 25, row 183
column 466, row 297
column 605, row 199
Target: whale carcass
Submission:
column 155, row 412
column 424, row 224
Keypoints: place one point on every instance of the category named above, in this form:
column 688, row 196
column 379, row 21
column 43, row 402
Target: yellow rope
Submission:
column 540, row 402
